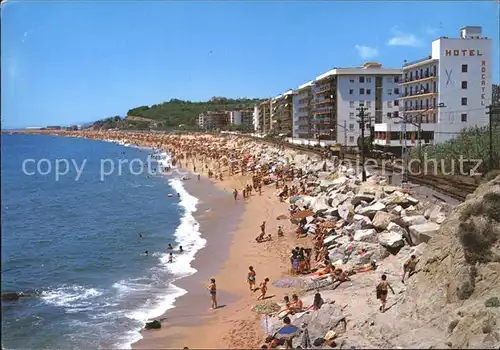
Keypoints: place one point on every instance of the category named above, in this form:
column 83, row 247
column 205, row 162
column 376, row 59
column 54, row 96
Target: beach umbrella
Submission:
column 288, row 332
column 266, row 308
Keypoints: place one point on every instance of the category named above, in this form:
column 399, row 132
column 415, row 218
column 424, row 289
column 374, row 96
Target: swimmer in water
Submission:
column 146, row 252
column 181, row 250
column 140, row 235
column 170, row 258
column 170, row 247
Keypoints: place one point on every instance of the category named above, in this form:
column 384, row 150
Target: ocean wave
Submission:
column 70, row 296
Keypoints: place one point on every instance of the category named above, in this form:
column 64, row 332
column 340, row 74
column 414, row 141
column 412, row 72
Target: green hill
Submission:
column 176, row 112
column 171, row 114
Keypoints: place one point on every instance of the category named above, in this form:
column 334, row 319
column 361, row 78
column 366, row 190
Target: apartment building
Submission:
column 302, row 113
column 335, row 97
column 262, row 117
column 282, row 114
column 443, row 93
column 212, row 120
column 243, row 118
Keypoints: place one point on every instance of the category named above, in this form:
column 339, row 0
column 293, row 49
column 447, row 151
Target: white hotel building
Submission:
column 335, row 97
column 445, row 92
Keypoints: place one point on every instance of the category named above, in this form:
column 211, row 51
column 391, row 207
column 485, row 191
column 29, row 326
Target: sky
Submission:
column 78, row 61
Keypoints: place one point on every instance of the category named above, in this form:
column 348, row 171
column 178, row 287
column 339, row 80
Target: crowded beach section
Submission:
column 317, row 252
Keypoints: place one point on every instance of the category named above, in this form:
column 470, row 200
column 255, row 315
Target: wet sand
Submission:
column 192, row 324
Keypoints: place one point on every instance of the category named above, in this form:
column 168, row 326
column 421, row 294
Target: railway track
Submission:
column 452, row 188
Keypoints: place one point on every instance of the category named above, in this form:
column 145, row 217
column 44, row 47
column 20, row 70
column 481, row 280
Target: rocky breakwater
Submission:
column 453, row 299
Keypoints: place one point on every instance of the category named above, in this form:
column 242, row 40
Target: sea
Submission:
column 78, row 216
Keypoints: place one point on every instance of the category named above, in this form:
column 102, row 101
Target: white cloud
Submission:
column 404, row 39
column 431, row 30
column 366, row 52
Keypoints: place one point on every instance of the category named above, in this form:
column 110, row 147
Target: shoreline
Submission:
column 236, row 316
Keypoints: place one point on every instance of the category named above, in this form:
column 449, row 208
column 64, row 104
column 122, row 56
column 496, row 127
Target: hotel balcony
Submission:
column 422, row 93
column 419, row 109
column 427, row 76
column 323, row 103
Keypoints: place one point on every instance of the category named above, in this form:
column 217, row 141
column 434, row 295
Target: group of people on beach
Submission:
column 216, row 157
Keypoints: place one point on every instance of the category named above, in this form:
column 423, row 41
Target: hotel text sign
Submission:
column 463, row 52
column 483, row 83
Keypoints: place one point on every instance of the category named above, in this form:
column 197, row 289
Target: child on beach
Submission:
column 212, row 288
column 170, row 258
column 263, row 289
column 251, row 278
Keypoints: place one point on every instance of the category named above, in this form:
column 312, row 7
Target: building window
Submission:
column 351, row 91
column 389, row 104
column 368, row 91
column 464, row 85
column 389, row 91
column 464, row 101
column 361, row 91
column 369, row 104
column 361, row 103
column 351, row 114
column 396, row 91
column 396, row 79
column 464, row 117
column 351, row 104
column 389, row 115
column 361, row 79
column 351, row 80
column 351, row 127
column 464, row 68
column 389, row 79
column 396, row 102
column 351, row 139
column 368, row 80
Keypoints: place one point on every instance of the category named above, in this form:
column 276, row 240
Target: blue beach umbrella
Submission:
column 288, row 332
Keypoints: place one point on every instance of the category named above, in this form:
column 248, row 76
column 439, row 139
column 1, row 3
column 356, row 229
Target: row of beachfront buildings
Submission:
column 440, row 95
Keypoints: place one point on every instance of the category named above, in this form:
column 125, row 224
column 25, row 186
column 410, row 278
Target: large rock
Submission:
column 344, row 211
column 408, row 221
column 382, row 219
column 422, row 233
column 368, row 198
column 391, row 239
column 320, row 204
column 368, row 235
column 371, row 210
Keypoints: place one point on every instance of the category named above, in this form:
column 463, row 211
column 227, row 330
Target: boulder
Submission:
column 371, row 210
column 153, row 325
column 362, row 198
column 320, row 204
column 381, row 220
column 344, row 209
column 413, row 220
column 367, row 235
column 422, row 233
column 391, row 239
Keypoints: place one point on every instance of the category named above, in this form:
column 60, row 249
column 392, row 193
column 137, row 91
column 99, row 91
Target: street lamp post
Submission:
column 404, row 148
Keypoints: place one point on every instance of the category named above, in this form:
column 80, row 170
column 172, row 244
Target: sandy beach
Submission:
column 235, row 325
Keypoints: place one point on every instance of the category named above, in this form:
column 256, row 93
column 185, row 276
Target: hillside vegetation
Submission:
column 176, row 112
column 172, row 114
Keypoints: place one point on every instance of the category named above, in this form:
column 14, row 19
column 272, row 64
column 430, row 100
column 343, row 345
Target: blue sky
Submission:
column 72, row 61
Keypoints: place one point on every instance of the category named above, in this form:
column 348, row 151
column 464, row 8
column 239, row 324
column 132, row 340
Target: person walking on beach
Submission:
column 382, row 290
column 409, row 267
column 212, row 288
column 263, row 228
column 263, row 289
column 235, row 194
column 251, row 278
